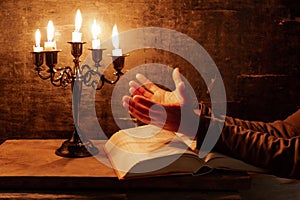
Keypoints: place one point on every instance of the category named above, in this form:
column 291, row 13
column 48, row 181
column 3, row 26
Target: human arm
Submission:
column 274, row 146
column 280, row 156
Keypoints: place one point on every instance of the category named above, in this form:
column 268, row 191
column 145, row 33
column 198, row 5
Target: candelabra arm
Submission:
column 113, row 81
column 60, row 77
column 44, row 77
column 67, row 76
column 88, row 74
column 55, row 80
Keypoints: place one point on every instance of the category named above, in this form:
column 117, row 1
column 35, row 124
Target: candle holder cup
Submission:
column 38, row 59
column 51, row 58
column 77, row 48
column 97, row 56
column 118, row 62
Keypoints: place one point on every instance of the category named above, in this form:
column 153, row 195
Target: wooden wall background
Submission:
column 258, row 59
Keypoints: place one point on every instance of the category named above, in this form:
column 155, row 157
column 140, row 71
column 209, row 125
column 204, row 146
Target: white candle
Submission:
column 115, row 41
column 76, row 35
column 37, row 47
column 96, row 44
column 96, row 30
column 50, row 44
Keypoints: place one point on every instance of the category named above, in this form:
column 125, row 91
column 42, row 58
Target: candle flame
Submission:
column 115, row 37
column 78, row 21
column 96, row 30
column 37, row 38
column 50, row 31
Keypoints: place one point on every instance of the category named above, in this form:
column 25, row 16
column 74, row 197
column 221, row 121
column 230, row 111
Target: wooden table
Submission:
column 30, row 165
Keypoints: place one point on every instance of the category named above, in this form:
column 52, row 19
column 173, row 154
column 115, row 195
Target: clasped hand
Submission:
column 170, row 110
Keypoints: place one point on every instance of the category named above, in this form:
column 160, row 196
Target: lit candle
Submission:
column 96, row 31
column 115, row 41
column 50, row 44
column 37, row 46
column 76, row 35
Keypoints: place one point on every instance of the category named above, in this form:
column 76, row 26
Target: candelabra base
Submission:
column 75, row 148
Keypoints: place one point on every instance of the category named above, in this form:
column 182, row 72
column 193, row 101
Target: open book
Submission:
column 150, row 151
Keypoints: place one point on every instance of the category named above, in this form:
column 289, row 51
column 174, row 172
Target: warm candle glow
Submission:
column 37, row 38
column 76, row 35
column 50, row 44
column 115, row 37
column 96, row 31
column 115, row 42
column 50, row 31
column 78, row 21
column 37, row 47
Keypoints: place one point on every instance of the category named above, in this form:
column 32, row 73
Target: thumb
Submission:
column 181, row 93
column 176, row 77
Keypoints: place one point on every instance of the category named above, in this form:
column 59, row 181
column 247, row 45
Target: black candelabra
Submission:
column 76, row 146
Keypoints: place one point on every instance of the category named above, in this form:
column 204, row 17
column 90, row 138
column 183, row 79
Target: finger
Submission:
column 157, row 112
column 181, row 92
column 129, row 104
column 148, row 119
column 125, row 105
column 147, row 83
column 138, row 111
column 176, row 77
column 136, row 89
column 142, row 102
column 125, row 101
column 158, row 119
column 139, row 116
column 141, row 112
column 145, row 106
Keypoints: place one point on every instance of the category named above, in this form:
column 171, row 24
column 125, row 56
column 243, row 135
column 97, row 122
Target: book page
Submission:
column 221, row 161
column 129, row 147
column 142, row 139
